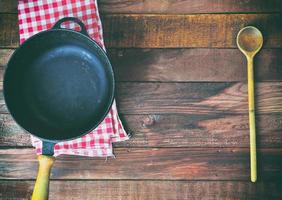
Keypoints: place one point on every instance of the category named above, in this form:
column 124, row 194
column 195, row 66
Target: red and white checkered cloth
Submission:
column 38, row 15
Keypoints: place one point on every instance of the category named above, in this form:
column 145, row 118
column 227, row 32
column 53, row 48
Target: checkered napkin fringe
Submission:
column 38, row 15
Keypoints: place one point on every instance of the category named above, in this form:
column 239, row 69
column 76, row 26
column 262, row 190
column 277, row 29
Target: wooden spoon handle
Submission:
column 253, row 153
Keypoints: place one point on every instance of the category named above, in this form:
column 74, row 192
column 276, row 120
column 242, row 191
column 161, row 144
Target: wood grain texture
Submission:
column 149, row 163
column 8, row 6
column 173, row 6
column 219, row 65
column 11, row 133
column 5, row 55
column 9, row 32
column 149, row 190
column 182, row 131
column 170, row 31
column 197, row 98
column 192, row 98
column 193, row 65
column 176, row 130
column 186, row 31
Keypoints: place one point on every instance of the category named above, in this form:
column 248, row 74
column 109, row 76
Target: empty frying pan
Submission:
column 58, row 85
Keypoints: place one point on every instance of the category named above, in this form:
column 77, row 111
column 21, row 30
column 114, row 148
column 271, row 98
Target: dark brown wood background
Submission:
column 181, row 91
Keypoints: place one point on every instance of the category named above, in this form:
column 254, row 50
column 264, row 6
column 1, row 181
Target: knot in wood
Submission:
column 149, row 120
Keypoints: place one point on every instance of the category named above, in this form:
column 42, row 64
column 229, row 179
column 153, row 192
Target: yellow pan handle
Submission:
column 253, row 151
column 41, row 188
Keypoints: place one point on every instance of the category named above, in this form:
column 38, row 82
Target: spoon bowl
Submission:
column 249, row 40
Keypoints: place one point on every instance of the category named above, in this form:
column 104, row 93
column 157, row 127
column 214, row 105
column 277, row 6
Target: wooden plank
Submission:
column 192, row 98
column 175, row 65
column 196, row 98
column 149, row 163
column 193, row 65
column 186, row 31
column 172, row 6
column 149, row 190
column 176, row 131
column 170, row 31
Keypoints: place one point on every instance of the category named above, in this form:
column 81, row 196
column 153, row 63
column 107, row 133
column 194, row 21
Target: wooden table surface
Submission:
column 181, row 91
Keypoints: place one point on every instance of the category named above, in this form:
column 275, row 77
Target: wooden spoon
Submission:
column 249, row 41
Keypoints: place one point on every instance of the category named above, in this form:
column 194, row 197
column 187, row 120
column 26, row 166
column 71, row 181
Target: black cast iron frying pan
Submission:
column 58, row 85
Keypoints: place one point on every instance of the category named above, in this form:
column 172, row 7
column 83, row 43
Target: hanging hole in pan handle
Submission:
column 72, row 19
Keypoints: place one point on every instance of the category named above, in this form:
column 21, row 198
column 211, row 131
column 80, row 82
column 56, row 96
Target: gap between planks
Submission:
column 173, row 6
